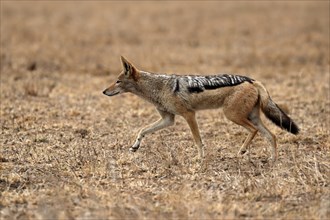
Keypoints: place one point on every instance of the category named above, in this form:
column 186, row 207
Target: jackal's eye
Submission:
column 118, row 81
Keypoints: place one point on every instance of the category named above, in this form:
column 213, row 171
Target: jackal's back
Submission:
column 197, row 92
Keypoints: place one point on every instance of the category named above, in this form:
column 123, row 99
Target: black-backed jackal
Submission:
column 241, row 98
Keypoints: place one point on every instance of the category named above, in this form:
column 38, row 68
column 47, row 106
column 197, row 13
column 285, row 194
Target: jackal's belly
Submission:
column 208, row 99
column 216, row 98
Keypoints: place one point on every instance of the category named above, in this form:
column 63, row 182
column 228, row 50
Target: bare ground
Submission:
column 64, row 145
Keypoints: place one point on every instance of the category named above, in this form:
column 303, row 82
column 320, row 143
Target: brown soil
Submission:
column 64, row 145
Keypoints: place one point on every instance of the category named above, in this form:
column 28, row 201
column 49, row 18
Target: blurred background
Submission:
column 64, row 145
column 164, row 36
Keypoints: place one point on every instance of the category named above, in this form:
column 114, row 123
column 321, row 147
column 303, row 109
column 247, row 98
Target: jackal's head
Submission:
column 126, row 81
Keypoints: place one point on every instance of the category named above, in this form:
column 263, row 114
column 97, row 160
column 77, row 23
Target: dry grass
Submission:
column 64, row 145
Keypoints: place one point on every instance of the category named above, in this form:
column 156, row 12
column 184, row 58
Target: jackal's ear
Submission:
column 129, row 68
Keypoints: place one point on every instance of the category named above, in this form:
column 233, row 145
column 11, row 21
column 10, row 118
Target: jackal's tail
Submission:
column 273, row 111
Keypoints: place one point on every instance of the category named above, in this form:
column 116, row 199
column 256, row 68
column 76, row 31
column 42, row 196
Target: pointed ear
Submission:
column 129, row 68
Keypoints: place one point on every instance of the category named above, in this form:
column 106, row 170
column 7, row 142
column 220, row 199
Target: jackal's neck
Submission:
column 151, row 86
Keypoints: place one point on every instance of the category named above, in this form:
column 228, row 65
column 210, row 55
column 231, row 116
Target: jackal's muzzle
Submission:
column 110, row 93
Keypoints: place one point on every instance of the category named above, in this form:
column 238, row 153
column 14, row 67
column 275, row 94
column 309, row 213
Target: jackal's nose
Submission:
column 110, row 92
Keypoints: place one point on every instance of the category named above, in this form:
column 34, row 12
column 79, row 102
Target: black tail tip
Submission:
column 294, row 129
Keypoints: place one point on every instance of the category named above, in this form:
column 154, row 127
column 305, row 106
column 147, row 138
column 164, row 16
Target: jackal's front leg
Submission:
column 166, row 120
column 191, row 120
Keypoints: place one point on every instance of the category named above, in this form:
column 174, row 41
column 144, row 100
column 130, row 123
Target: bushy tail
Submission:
column 274, row 112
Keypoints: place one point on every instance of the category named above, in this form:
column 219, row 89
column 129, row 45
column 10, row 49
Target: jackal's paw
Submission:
column 273, row 160
column 135, row 147
column 241, row 152
column 197, row 160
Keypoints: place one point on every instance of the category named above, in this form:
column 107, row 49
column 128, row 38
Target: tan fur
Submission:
column 241, row 104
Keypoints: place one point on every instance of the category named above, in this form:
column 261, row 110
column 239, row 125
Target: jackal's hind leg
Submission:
column 270, row 137
column 254, row 117
column 253, row 131
column 166, row 120
column 242, row 120
column 247, row 142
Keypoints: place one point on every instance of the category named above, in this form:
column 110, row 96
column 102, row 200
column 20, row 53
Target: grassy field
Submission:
column 64, row 145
